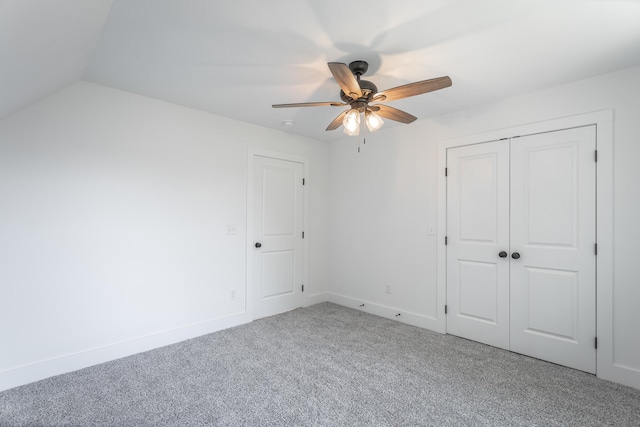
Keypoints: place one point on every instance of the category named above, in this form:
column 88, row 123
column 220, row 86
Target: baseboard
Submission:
column 25, row 374
column 316, row 299
column 620, row 374
column 400, row 315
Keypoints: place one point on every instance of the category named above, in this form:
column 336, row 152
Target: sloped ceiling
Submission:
column 45, row 46
column 236, row 58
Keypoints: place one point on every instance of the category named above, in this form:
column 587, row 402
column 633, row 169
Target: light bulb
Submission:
column 374, row 121
column 351, row 122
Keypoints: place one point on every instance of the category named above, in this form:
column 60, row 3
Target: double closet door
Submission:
column 521, row 235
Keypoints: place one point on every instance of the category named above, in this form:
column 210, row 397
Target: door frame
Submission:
column 279, row 155
column 603, row 120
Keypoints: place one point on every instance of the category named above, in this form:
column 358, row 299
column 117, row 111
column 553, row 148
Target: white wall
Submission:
column 113, row 214
column 383, row 200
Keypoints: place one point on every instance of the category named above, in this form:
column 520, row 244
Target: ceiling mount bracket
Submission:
column 359, row 68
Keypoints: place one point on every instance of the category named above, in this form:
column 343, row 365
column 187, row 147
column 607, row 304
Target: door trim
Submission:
column 603, row 120
column 252, row 153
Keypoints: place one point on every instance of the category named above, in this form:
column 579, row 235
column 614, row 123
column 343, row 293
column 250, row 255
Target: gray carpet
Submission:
column 324, row 365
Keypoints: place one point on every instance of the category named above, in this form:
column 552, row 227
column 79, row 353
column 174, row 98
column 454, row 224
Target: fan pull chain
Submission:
column 364, row 130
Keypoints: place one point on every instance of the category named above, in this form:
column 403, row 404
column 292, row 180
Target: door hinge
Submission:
column 595, row 157
column 446, row 171
column 303, row 234
column 445, row 309
column 303, row 181
column 446, row 240
column 595, row 342
column 595, row 248
column 302, row 288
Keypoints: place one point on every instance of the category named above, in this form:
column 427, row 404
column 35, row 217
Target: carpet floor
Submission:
column 324, row 365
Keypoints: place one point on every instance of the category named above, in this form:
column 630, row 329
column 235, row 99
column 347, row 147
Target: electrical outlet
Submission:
column 387, row 288
column 232, row 295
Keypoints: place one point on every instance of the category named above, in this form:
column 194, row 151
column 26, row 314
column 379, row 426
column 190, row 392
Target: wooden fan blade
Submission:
column 310, row 104
column 335, row 124
column 345, row 79
column 412, row 89
column 393, row 113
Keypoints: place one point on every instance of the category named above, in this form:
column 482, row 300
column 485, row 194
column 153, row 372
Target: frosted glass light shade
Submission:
column 351, row 123
column 374, row 121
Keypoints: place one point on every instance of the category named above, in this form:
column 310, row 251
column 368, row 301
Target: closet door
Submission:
column 477, row 232
column 553, row 236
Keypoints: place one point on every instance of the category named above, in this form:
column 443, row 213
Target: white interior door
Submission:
column 553, row 229
column 278, row 226
column 477, row 232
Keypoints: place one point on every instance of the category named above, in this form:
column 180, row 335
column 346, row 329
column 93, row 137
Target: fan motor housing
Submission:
column 368, row 90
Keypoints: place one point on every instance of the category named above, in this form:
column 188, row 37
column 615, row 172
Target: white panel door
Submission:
column 477, row 232
column 278, row 217
column 553, row 230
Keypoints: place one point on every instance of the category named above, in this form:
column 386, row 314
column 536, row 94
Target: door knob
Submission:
column 502, row 254
column 258, row 245
column 515, row 255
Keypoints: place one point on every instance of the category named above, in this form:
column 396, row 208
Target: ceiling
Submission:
column 237, row 58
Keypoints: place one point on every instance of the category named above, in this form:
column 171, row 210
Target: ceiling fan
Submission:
column 358, row 94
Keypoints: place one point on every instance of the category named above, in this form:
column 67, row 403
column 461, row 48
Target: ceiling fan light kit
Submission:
column 351, row 122
column 357, row 94
column 374, row 121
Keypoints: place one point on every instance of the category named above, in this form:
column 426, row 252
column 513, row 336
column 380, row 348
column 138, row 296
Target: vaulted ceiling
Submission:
column 236, row 58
